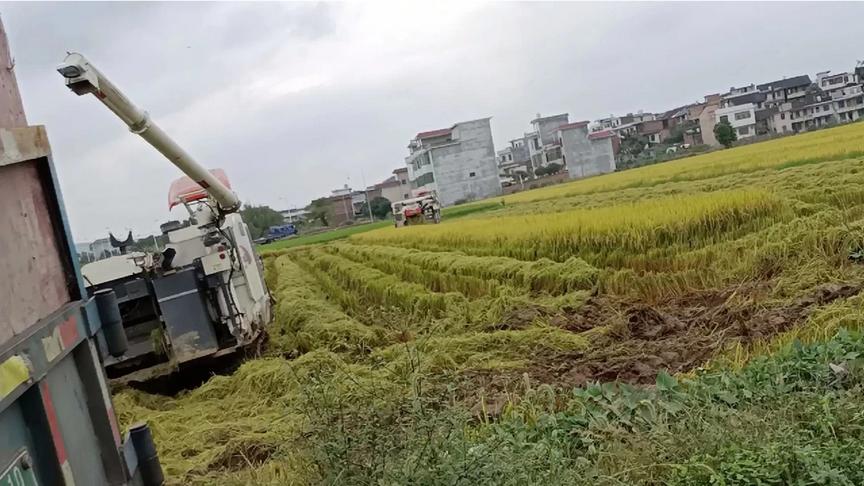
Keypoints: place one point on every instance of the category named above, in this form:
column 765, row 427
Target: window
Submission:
column 472, row 174
column 510, row 157
column 782, row 116
column 743, row 130
column 537, row 143
column 403, row 182
column 742, row 115
column 724, row 118
column 826, row 108
column 841, row 104
column 405, row 196
column 424, row 179
column 553, row 154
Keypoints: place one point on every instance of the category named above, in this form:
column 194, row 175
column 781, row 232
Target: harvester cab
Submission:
column 203, row 296
column 422, row 208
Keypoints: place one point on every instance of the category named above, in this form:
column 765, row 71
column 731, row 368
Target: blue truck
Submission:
column 57, row 421
column 275, row 233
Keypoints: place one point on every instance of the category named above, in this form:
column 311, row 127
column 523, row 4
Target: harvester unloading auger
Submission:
column 204, row 295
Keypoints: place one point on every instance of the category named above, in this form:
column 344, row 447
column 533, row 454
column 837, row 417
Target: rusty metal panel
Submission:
column 22, row 144
column 11, row 108
column 34, row 280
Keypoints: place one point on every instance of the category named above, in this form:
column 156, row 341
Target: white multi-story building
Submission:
column 820, row 109
column 294, row 215
column 458, row 162
column 741, row 112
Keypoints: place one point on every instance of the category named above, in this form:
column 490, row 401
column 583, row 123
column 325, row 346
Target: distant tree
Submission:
column 632, row 146
column 260, row 218
column 676, row 135
column 553, row 168
column 725, row 134
column 320, row 210
column 380, row 207
column 361, row 210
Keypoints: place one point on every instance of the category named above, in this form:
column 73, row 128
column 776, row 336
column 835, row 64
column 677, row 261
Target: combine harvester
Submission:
column 57, row 422
column 204, row 295
column 423, row 207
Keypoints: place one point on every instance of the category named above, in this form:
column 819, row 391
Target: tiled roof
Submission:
column 434, row 133
column 601, row 134
column 785, row 83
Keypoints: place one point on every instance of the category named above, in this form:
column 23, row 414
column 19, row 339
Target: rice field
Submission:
column 671, row 324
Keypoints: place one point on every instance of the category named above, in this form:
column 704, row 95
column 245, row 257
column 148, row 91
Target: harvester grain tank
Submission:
column 204, row 295
column 57, row 422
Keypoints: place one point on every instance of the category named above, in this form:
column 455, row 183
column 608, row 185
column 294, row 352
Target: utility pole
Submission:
column 366, row 193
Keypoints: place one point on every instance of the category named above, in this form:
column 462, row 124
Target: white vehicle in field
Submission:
column 417, row 210
column 201, row 297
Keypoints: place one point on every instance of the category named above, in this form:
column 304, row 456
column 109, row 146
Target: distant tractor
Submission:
column 422, row 208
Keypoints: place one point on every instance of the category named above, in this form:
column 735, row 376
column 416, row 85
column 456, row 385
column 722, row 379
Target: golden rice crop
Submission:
column 593, row 234
column 374, row 287
column 542, row 275
column 839, row 143
column 304, row 321
column 361, row 324
column 436, row 281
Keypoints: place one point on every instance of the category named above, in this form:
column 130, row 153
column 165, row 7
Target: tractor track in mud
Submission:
column 637, row 340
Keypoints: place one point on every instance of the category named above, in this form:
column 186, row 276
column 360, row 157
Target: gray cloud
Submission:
column 295, row 99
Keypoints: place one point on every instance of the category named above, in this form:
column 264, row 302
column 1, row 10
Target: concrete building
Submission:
column 819, row 109
column 707, row 120
column 586, row 153
column 510, row 166
column 740, row 111
column 546, row 128
column 514, row 162
column 344, row 205
column 395, row 188
column 458, row 162
column 102, row 248
column 831, row 99
column 750, row 88
column 784, row 90
column 341, row 211
column 655, row 131
column 294, row 215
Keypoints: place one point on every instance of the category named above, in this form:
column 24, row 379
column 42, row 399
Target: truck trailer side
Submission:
column 57, row 423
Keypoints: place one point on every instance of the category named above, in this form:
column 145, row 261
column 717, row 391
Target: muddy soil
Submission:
column 676, row 335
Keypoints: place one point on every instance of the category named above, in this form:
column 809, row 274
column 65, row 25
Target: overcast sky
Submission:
column 296, row 99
